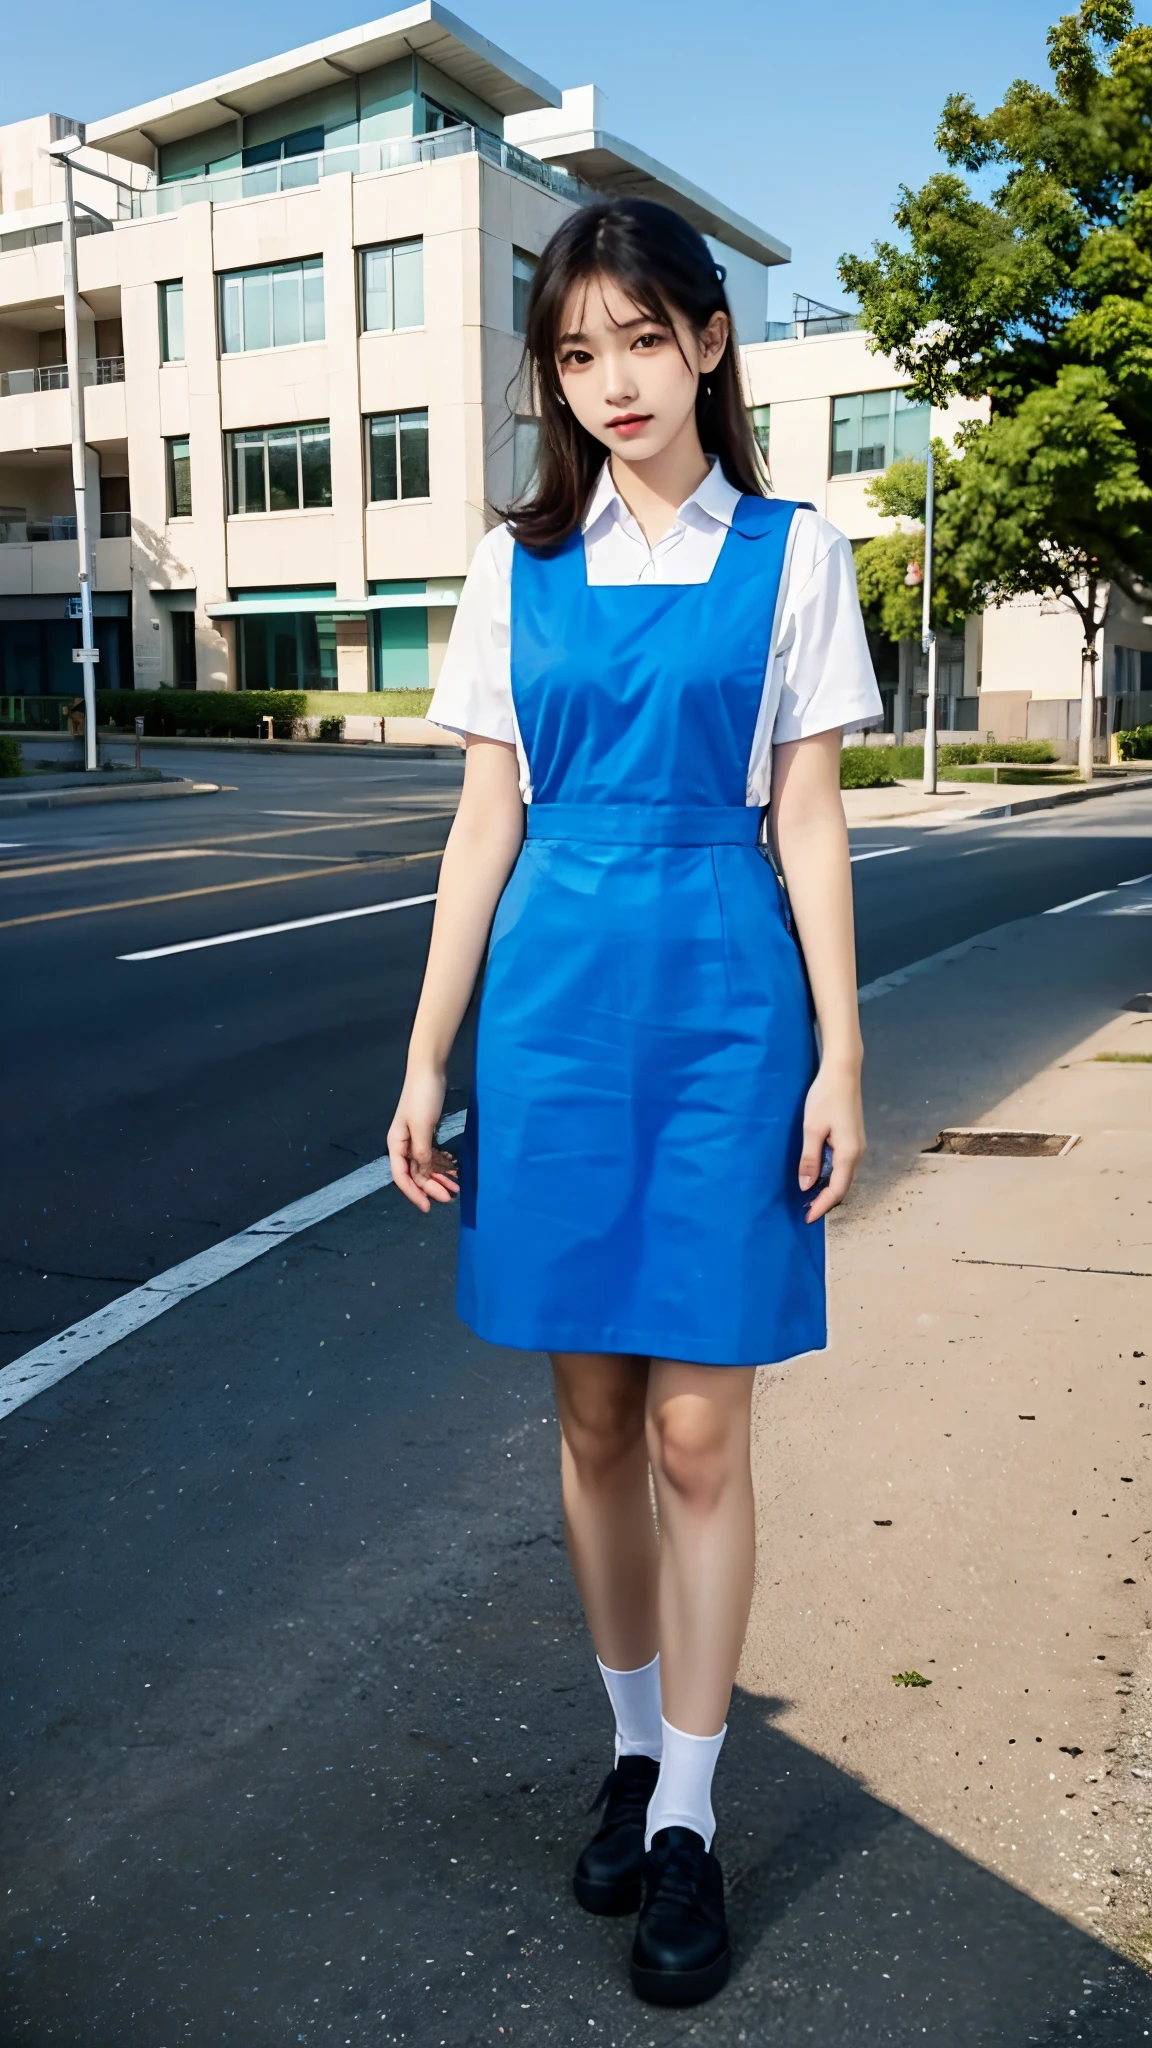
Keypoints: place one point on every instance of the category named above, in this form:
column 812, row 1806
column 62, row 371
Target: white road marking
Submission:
column 887, row 982
column 269, row 931
column 879, row 852
column 30, row 1375
column 1058, row 909
column 1134, row 879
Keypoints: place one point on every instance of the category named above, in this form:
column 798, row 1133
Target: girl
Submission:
column 644, row 652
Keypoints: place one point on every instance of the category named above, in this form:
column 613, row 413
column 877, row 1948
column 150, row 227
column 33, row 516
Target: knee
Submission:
column 692, row 1453
column 601, row 1434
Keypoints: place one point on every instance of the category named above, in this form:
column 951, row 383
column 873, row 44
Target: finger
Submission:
column 399, row 1140
column 838, row 1186
column 815, row 1136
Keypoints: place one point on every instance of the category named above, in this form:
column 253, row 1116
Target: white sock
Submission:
column 683, row 1795
column 635, row 1697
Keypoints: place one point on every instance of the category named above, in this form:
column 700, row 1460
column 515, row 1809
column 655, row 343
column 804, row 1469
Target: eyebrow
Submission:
column 641, row 320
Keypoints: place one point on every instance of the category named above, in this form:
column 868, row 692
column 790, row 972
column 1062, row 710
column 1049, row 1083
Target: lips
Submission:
column 630, row 422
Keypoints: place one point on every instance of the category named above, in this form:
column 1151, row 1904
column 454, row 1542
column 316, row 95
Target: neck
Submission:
column 654, row 490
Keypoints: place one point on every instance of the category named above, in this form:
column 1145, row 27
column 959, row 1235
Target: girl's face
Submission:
column 630, row 380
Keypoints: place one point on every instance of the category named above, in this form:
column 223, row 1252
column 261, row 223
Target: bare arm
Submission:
column 485, row 839
column 811, row 839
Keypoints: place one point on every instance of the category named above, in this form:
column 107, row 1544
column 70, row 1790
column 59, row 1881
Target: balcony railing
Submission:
column 54, row 377
column 292, row 172
column 15, row 527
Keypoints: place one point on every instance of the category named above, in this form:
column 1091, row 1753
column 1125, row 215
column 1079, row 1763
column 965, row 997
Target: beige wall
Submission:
column 457, row 365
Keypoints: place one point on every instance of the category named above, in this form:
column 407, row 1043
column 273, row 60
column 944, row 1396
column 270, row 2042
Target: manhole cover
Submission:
column 984, row 1143
column 1140, row 1002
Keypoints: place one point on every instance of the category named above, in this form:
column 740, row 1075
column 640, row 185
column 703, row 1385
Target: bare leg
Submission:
column 608, row 1520
column 699, row 1443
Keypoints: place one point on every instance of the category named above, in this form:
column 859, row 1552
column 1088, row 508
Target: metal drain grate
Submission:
column 982, row 1142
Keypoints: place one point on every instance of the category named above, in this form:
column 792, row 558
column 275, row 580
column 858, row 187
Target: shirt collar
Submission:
column 713, row 501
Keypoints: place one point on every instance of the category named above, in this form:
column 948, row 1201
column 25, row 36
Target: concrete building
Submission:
column 830, row 415
column 301, row 311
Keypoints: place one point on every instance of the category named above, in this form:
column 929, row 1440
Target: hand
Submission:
column 420, row 1169
column 833, row 1116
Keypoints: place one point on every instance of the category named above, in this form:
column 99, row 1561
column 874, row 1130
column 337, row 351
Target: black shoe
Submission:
column 608, row 1874
column 681, row 1954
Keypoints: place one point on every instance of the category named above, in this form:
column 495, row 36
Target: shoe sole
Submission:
column 681, row 1987
column 607, row 1899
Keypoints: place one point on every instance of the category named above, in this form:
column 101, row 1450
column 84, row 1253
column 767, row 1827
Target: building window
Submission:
column 172, row 320
column 276, row 307
column 179, row 467
column 183, row 650
column 287, row 651
column 525, row 454
column 759, row 419
column 397, row 455
column 280, row 469
column 523, row 271
column 870, row 429
column 392, row 287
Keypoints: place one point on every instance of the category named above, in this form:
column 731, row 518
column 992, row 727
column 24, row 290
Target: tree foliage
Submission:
column 1034, row 293
column 882, row 563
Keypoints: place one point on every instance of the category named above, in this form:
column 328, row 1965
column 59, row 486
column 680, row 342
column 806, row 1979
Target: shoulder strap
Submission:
column 755, row 517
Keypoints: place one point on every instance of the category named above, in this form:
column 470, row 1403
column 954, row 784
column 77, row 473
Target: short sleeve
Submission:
column 824, row 669
column 474, row 690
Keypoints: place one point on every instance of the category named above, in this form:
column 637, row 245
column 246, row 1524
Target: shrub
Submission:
column 906, row 761
column 11, row 759
column 331, row 729
column 203, row 714
column 1136, row 744
column 866, row 767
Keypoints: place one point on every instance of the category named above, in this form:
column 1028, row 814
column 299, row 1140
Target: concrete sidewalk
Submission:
column 978, row 1510
column 904, row 803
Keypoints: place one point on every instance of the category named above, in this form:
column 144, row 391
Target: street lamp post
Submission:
column 86, row 653
column 927, row 636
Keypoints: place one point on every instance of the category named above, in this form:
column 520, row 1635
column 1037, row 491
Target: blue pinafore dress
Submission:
column 645, row 1038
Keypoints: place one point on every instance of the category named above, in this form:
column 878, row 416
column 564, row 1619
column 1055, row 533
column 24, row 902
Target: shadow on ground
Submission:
column 301, row 1721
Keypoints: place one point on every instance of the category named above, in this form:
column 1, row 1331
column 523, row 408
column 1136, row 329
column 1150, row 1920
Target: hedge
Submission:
column 867, row 767
column 11, row 760
column 207, row 714
column 239, row 714
column 1136, row 744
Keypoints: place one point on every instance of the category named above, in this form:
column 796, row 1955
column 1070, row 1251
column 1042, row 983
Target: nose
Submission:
column 621, row 385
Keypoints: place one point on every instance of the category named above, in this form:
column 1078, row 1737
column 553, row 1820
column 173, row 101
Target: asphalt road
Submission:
column 154, row 1107
column 298, row 1710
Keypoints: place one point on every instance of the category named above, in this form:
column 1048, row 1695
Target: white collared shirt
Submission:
column 819, row 675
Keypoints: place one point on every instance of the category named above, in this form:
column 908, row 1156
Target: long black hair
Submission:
column 661, row 264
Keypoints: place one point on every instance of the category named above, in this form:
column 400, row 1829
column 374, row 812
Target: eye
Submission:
column 574, row 355
column 649, row 341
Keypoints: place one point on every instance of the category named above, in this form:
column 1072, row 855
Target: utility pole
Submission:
column 86, row 653
column 927, row 636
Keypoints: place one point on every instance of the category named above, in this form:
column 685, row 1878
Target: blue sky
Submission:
column 805, row 117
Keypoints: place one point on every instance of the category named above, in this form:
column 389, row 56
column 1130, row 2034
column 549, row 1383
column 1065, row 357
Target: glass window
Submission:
column 172, row 321
column 392, row 286
column 280, row 469
column 759, row 419
column 179, row 468
column 525, row 450
column 523, row 271
column 397, row 455
column 870, row 429
column 276, row 307
column 315, row 467
column 184, row 650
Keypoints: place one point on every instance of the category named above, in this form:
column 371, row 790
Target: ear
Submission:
column 713, row 341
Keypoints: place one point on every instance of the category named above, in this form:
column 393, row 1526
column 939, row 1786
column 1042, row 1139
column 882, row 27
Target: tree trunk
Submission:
column 1088, row 660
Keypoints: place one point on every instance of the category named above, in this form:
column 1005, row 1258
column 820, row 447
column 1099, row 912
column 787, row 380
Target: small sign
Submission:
column 75, row 608
column 85, row 654
column 139, row 724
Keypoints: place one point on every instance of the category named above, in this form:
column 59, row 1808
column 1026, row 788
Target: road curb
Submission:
column 131, row 792
column 1077, row 795
column 350, row 748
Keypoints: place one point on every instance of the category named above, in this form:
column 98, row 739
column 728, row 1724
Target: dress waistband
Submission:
column 646, row 824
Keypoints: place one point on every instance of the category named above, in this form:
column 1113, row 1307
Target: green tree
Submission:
column 883, row 563
column 1034, row 293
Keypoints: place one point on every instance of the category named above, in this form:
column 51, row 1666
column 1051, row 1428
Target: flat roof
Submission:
column 426, row 30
